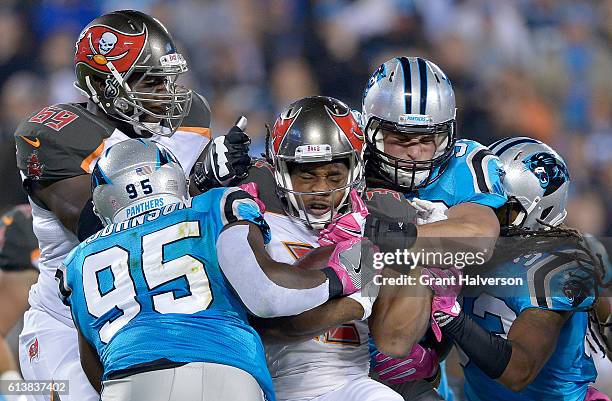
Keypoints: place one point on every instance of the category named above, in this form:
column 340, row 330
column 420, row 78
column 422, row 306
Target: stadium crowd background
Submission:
column 541, row 68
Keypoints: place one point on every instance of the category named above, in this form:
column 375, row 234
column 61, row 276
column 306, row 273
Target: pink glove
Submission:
column 347, row 226
column 345, row 261
column 445, row 296
column 252, row 189
column 595, row 395
column 421, row 363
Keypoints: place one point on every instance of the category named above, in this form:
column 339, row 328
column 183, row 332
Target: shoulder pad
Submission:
column 473, row 174
column 18, row 244
column 229, row 205
column 55, row 142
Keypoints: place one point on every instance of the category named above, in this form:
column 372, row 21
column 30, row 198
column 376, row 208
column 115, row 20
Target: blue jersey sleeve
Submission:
column 561, row 281
column 478, row 174
column 231, row 205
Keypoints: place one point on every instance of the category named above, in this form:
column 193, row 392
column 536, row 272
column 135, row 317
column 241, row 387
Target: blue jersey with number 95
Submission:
column 148, row 292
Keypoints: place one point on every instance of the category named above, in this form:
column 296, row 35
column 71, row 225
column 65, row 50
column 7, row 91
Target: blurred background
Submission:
column 541, row 68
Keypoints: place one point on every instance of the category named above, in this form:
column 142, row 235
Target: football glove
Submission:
column 225, row 160
column 347, row 226
column 421, row 363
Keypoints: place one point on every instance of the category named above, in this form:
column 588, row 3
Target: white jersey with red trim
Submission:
column 327, row 362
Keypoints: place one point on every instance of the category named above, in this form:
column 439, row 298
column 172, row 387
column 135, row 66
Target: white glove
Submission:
column 367, row 302
column 429, row 212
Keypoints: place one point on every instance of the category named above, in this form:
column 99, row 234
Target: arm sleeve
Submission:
column 261, row 296
column 562, row 281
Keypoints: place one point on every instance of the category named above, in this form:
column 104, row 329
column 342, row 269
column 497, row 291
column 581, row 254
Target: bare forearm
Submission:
column 310, row 323
column 530, row 351
column 469, row 228
column 521, row 369
column 455, row 236
column 400, row 315
column 90, row 362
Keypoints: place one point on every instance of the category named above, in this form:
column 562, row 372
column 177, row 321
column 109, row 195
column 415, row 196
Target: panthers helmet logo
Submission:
column 549, row 170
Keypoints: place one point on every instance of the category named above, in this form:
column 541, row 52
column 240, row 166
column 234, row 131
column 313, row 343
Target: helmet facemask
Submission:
column 295, row 202
column 149, row 97
column 409, row 174
column 126, row 62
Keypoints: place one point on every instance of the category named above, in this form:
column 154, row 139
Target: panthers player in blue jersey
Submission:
column 409, row 116
column 527, row 342
column 161, row 295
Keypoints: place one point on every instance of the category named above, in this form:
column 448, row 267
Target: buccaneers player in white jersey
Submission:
column 315, row 178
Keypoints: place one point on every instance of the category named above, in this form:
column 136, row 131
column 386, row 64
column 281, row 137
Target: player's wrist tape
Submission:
column 335, row 285
column 488, row 351
column 365, row 302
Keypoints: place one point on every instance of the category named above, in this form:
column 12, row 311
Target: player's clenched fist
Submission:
column 225, row 160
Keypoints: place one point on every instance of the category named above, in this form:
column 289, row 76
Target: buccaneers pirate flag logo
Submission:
column 100, row 45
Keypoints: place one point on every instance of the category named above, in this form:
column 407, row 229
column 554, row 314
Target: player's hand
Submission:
column 346, row 261
column 252, row 189
column 421, row 363
column 390, row 234
column 428, row 212
column 444, row 305
column 225, row 160
column 347, row 226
